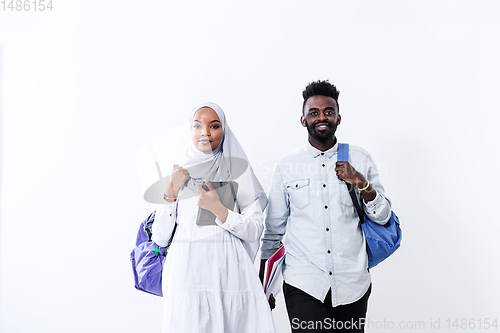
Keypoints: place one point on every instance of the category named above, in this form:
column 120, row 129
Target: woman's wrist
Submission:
column 171, row 194
column 221, row 212
column 169, row 199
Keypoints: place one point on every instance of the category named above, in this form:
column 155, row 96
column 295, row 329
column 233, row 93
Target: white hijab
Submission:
column 227, row 162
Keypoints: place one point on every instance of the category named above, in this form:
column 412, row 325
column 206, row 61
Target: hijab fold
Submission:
column 228, row 162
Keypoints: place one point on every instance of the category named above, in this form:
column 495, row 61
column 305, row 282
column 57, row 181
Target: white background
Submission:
column 86, row 85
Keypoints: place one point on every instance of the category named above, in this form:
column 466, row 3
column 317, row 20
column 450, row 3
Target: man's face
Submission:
column 320, row 117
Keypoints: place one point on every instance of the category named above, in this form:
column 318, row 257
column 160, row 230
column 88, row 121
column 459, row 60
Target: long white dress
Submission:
column 209, row 281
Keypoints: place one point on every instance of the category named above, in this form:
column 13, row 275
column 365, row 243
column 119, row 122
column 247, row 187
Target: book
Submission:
column 273, row 276
column 226, row 190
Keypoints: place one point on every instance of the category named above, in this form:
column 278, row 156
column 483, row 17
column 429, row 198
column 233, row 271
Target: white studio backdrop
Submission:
column 88, row 84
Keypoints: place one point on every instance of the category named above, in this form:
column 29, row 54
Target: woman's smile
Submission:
column 206, row 130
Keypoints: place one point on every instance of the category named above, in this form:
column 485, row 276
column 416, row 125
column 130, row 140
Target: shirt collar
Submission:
column 316, row 152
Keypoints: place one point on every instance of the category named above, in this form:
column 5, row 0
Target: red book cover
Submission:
column 270, row 264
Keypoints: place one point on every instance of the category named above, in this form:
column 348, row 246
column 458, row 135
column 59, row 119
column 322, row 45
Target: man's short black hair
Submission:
column 323, row 88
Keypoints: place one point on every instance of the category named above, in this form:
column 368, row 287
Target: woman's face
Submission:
column 206, row 130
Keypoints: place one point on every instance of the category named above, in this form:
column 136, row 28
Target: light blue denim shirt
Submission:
column 311, row 212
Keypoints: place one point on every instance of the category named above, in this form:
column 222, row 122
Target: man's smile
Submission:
column 322, row 126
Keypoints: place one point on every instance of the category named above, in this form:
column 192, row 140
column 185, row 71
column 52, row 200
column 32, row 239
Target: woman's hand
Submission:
column 209, row 200
column 177, row 179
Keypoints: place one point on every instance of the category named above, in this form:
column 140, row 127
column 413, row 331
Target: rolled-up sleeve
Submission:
column 278, row 211
column 379, row 209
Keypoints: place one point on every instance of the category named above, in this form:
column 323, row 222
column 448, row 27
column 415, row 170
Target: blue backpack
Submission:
column 381, row 240
column 147, row 259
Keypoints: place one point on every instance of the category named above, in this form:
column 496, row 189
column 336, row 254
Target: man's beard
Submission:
column 323, row 136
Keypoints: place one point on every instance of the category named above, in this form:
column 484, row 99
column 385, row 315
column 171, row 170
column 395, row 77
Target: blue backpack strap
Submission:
column 343, row 152
column 343, row 156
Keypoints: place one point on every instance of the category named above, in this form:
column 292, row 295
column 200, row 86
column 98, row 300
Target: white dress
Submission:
column 209, row 281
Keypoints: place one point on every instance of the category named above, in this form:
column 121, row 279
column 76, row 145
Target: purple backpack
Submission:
column 147, row 259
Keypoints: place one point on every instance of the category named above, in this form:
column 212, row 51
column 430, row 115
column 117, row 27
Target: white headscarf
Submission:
column 226, row 163
column 216, row 164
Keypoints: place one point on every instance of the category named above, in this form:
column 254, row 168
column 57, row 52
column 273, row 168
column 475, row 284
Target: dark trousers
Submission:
column 307, row 314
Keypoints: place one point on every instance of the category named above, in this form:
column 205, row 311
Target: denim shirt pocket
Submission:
column 298, row 191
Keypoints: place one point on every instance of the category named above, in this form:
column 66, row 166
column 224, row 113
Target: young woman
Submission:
column 209, row 280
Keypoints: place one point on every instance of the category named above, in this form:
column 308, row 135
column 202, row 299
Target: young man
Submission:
column 327, row 281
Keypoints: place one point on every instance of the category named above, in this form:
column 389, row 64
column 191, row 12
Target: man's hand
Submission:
column 272, row 302
column 346, row 172
column 209, row 200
